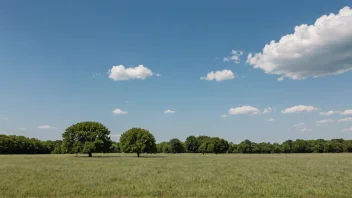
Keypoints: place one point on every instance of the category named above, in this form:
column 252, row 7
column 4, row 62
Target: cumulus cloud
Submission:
column 224, row 116
column 267, row 110
column 347, row 129
column 157, row 74
column 345, row 120
column 235, row 56
column 46, row 127
column 219, row 75
column 299, row 125
column 119, row 72
column 271, row 119
column 327, row 121
column 119, row 112
column 347, row 112
column 329, row 113
column 321, row 49
column 249, row 110
column 299, row 109
column 169, row 111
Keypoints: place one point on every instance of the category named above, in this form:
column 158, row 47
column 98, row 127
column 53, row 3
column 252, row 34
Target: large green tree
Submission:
column 176, row 146
column 137, row 140
column 86, row 137
column 192, row 144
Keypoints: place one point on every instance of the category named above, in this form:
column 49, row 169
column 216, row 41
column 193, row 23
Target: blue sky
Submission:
column 57, row 58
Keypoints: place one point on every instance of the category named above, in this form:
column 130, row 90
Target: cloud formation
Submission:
column 267, row 110
column 305, row 130
column 4, row 118
column 347, row 112
column 170, row 111
column 326, row 121
column 224, row 116
column 235, row 56
column 299, row 109
column 249, row 110
column 271, row 119
column 119, row 112
column 321, row 49
column 299, row 125
column 119, row 72
column 329, row 113
column 46, row 127
column 219, row 75
column 345, row 120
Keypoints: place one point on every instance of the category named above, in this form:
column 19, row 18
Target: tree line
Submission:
column 93, row 137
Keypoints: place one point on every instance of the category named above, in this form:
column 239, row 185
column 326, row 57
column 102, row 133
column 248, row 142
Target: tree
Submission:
column 176, row 146
column 86, row 137
column 245, row 146
column 137, row 140
column 192, row 144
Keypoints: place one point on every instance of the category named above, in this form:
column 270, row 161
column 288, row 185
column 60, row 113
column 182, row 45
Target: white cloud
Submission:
column 235, row 56
column 157, row 74
column 119, row 112
column 329, row 113
column 347, row 129
column 271, row 119
column 224, row 116
column 46, row 127
column 267, row 110
column 321, row 49
column 169, row 111
column 327, row 121
column 22, row 129
column 299, row 125
column 121, row 73
column 299, row 109
column 305, row 130
column 345, row 120
column 244, row 110
column 219, row 75
column 347, row 112
column 4, row 118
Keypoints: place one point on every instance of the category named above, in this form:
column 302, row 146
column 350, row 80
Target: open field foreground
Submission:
column 184, row 175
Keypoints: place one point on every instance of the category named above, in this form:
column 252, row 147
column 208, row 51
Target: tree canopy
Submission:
column 86, row 137
column 137, row 140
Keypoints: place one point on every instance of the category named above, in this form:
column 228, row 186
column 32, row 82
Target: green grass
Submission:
column 186, row 175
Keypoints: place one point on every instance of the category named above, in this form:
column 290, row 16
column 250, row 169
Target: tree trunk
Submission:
column 137, row 154
column 90, row 154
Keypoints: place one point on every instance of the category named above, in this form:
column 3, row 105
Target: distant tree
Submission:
column 203, row 140
column 137, row 140
column 300, row 146
column 318, row 146
column 115, row 147
column 276, row 148
column 245, row 146
column 86, row 137
column 287, row 146
column 176, row 146
column 192, row 144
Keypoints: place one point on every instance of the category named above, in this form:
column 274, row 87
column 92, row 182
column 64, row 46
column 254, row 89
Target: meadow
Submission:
column 178, row 175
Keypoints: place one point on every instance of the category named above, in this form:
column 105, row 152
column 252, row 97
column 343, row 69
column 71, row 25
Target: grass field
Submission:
column 185, row 175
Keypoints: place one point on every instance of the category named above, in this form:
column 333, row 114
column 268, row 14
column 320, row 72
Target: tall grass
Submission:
column 184, row 175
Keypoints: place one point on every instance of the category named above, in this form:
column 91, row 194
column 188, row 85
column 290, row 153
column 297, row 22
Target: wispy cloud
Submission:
column 169, row 111
column 46, row 127
column 119, row 112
